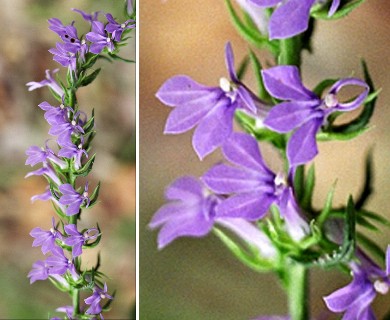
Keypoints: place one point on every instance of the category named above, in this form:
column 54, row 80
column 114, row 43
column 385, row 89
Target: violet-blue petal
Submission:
column 287, row 116
column 189, row 221
column 343, row 298
column 266, row 3
column 224, row 179
column 250, row 206
column 388, row 260
column 214, row 129
column 243, row 150
column 229, row 61
column 39, row 271
column 290, row 19
column 333, row 8
column 71, row 229
column 73, row 208
column 302, row 146
column 182, row 90
column 185, row 117
column 351, row 105
column 185, row 188
column 247, row 98
column 284, row 82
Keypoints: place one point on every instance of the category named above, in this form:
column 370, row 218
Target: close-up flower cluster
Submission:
column 262, row 208
column 67, row 159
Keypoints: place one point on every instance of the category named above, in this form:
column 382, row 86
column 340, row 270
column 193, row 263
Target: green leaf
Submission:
column 116, row 57
column 95, row 194
column 90, row 125
column 299, row 182
column 368, row 186
column 327, row 207
column 263, row 93
column 308, row 189
column 88, row 79
column 86, row 169
column 242, row 68
column 346, row 6
column 375, row 217
column 90, row 59
column 341, row 136
column 255, row 263
column 107, row 306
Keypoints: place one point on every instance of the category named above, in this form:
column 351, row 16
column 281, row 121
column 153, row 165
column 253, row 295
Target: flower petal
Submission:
column 229, row 61
column 284, row 82
column 214, row 129
column 290, row 19
column 302, row 146
column 181, row 90
column 250, row 206
column 287, row 116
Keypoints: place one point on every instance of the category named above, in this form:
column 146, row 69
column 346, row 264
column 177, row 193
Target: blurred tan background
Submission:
column 199, row 279
column 25, row 41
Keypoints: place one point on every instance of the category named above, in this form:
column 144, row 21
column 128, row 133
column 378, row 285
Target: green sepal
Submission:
column 90, row 124
column 307, row 196
column 364, row 222
column 88, row 79
column 249, row 32
column 55, row 95
column 95, row 194
column 371, row 246
column 375, row 217
column 347, row 249
column 346, row 6
column 341, row 136
column 90, row 60
column 53, row 189
column 299, row 182
column 257, row 67
column 86, row 169
column 59, row 211
column 251, row 260
column 327, row 207
column 116, row 57
column 368, row 186
column 58, row 285
column 242, row 68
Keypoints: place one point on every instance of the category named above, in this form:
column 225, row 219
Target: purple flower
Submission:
column 303, row 110
column 211, row 108
column 47, row 171
column 77, row 239
column 64, row 128
column 49, row 81
column 191, row 212
column 43, row 196
column 99, row 38
column 65, row 55
column 94, row 300
column 252, row 187
column 46, row 239
column 71, row 198
column 291, row 17
column 59, row 264
column 71, row 151
column 117, row 29
column 54, row 114
column 39, row 271
column 87, row 17
column 42, row 155
column 130, row 7
column 355, row 299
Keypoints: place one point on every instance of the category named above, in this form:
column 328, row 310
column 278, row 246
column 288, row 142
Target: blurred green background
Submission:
column 199, row 279
column 25, row 41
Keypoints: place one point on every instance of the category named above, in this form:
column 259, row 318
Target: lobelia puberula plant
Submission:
column 267, row 219
column 67, row 160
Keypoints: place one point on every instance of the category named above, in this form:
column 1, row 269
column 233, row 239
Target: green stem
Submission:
column 297, row 290
column 290, row 51
column 76, row 302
